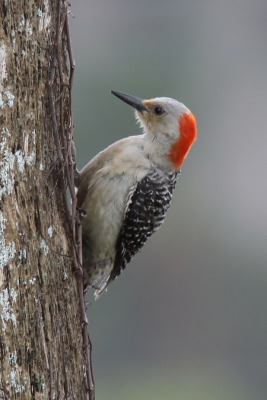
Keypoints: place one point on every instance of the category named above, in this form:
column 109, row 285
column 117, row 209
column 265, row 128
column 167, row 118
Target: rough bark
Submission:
column 41, row 342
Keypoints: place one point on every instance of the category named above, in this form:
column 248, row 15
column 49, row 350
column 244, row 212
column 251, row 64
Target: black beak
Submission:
column 132, row 100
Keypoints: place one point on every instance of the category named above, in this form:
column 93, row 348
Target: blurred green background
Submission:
column 188, row 318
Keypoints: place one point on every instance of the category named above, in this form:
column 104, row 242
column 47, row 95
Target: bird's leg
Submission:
column 82, row 213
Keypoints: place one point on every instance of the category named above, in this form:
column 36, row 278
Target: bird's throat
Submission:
column 188, row 134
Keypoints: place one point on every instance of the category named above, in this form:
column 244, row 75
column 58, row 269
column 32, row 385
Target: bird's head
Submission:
column 166, row 121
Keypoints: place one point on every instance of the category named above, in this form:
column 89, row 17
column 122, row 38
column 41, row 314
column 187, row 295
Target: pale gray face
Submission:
column 162, row 115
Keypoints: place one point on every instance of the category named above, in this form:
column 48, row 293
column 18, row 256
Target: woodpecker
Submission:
column 127, row 188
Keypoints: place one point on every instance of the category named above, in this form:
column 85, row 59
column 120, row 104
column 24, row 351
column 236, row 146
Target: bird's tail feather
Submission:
column 102, row 287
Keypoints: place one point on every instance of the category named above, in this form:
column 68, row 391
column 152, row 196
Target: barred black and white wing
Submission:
column 145, row 211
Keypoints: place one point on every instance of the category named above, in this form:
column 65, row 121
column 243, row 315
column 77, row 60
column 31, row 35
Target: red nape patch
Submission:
column 188, row 134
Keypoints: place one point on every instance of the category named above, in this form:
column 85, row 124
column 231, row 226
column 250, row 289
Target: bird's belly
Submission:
column 105, row 211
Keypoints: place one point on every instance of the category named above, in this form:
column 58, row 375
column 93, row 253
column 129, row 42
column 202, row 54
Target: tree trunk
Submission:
column 41, row 339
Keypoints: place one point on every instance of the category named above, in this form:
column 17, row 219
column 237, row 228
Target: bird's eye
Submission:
column 159, row 110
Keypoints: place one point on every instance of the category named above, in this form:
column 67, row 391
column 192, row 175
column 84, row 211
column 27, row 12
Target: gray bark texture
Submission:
column 41, row 340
